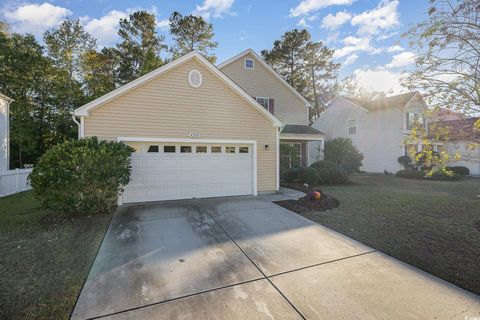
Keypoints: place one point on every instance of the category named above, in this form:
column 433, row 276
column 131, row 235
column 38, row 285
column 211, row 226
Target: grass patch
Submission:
column 432, row 225
column 43, row 261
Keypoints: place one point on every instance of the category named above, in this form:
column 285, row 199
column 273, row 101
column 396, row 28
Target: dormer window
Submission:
column 249, row 64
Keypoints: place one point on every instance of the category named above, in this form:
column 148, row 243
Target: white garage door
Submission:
column 184, row 171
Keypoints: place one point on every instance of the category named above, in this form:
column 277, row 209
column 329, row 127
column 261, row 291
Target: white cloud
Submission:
column 303, row 23
column 163, row 24
column 334, row 21
column 383, row 17
column 380, row 80
column 355, row 44
column 307, row 6
column 214, row 8
column 35, row 18
column 395, row 48
column 105, row 28
column 350, row 60
column 402, row 60
column 354, row 41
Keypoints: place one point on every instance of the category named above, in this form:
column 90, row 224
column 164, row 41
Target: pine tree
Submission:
column 192, row 33
column 139, row 51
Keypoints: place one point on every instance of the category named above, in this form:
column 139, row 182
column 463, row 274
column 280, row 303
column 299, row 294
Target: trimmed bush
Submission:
column 309, row 175
column 82, row 176
column 410, row 174
column 461, row 170
column 343, row 153
column 421, row 175
column 329, row 173
column 441, row 176
column 405, row 161
column 292, row 174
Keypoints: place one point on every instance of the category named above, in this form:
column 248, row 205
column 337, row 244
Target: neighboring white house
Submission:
column 378, row 128
column 4, row 132
column 464, row 140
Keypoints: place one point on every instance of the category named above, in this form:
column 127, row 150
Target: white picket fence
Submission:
column 14, row 181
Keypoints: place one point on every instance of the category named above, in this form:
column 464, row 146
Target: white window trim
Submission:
column 253, row 144
column 268, row 102
column 190, row 78
column 245, row 64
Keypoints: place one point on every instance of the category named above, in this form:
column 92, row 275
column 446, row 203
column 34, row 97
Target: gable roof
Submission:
column 85, row 109
column 461, row 129
column 387, row 102
column 269, row 69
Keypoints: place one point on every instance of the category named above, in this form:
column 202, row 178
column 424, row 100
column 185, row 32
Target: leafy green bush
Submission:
column 343, row 153
column 461, row 170
column 411, row 174
column 292, row 174
column 422, row 175
column 442, row 176
column 309, row 176
column 82, row 176
column 329, row 172
column 405, row 161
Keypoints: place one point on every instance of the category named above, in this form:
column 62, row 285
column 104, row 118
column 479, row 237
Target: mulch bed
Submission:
column 306, row 204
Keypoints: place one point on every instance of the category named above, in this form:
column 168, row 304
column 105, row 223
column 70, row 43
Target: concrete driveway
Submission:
column 246, row 258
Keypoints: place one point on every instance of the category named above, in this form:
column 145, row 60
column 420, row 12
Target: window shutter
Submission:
column 271, row 106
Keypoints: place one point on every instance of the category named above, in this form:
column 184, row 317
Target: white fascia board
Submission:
column 270, row 69
column 84, row 110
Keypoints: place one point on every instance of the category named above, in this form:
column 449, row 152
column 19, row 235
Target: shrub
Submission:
column 292, row 174
column 329, row 172
column 342, row 152
column 82, row 176
column 442, row 176
column 309, row 175
column 410, row 174
column 405, row 161
column 413, row 174
column 461, row 170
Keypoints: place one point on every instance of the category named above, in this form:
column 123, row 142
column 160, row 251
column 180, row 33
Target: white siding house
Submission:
column 377, row 128
column 4, row 132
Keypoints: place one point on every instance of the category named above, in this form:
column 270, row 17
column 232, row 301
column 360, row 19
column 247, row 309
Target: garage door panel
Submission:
column 172, row 176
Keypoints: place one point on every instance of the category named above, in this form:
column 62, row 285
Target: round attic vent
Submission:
column 195, row 78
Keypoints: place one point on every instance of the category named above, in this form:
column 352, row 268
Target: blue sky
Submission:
column 365, row 33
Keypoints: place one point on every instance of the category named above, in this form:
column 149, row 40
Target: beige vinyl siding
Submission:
column 259, row 82
column 168, row 107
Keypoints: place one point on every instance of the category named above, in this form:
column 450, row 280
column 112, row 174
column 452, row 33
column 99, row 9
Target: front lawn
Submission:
column 43, row 260
column 433, row 225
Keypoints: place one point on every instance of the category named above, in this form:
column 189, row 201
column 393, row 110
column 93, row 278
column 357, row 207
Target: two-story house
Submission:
column 4, row 132
column 378, row 128
column 267, row 87
column 202, row 131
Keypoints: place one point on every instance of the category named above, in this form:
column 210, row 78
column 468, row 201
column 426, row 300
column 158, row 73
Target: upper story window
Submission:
column 352, row 126
column 263, row 101
column 249, row 64
column 414, row 119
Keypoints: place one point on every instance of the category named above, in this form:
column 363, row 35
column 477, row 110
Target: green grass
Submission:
column 43, row 260
column 429, row 224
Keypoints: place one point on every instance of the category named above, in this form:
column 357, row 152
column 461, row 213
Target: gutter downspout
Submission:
column 74, row 118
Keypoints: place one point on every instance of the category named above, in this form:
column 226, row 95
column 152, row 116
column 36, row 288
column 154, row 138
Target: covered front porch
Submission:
column 300, row 146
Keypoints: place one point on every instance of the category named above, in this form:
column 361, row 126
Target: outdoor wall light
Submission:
column 267, row 147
